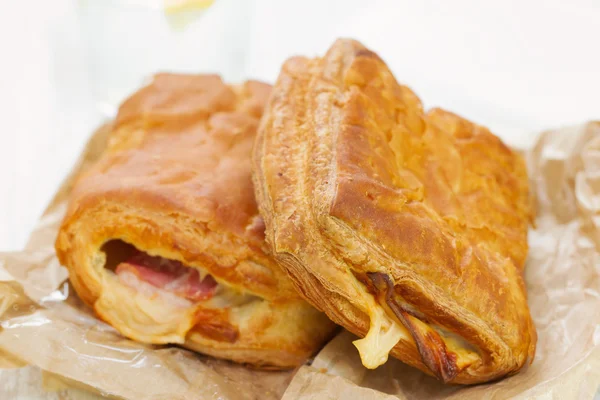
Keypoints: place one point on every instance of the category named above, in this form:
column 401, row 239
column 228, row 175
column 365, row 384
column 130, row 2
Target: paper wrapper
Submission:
column 43, row 323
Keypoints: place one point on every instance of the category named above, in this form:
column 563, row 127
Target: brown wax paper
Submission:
column 563, row 285
column 44, row 324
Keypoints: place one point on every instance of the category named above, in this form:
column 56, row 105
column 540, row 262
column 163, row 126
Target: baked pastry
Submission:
column 162, row 237
column 408, row 228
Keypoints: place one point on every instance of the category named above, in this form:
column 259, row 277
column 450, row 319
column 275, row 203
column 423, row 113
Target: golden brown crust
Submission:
column 353, row 177
column 175, row 182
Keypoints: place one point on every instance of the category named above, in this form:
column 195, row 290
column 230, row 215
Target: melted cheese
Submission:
column 384, row 333
column 152, row 292
column 226, row 297
column 465, row 352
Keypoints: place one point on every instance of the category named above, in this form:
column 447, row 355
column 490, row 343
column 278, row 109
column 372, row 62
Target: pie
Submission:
column 162, row 237
column 407, row 227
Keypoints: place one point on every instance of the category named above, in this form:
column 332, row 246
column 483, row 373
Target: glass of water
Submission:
column 127, row 41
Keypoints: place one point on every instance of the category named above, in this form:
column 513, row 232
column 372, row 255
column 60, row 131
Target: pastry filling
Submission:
column 197, row 302
column 384, row 333
column 443, row 352
column 169, row 275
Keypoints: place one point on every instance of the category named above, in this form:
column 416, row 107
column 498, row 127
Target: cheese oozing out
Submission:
column 384, row 333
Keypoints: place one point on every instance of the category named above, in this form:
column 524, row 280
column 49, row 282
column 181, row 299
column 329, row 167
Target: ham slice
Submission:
column 169, row 275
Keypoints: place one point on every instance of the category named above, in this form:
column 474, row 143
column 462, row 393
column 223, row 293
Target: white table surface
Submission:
column 515, row 66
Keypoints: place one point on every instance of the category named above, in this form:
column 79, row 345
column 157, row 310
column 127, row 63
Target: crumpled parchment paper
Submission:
column 43, row 323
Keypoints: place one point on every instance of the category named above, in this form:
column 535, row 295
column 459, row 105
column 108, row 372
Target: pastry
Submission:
column 408, row 228
column 162, row 237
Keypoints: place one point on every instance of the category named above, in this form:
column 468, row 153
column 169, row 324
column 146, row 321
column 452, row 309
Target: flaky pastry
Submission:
column 162, row 237
column 409, row 228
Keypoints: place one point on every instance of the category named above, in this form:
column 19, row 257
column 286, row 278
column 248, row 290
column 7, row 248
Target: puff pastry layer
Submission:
column 162, row 236
column 407, row 227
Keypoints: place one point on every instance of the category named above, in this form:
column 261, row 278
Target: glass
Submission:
column 127, row 41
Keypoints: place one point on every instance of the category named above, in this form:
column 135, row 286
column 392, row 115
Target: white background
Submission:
column 515, row 66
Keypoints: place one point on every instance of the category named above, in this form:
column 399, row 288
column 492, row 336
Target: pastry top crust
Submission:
column 353, row 178
column 180, row 149
column 175, row 182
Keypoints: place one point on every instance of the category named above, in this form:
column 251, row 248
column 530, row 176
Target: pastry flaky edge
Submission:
column 408, row 228
column 175, row 182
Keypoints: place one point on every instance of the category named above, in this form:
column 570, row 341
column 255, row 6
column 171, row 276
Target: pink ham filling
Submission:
column 169, row 275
